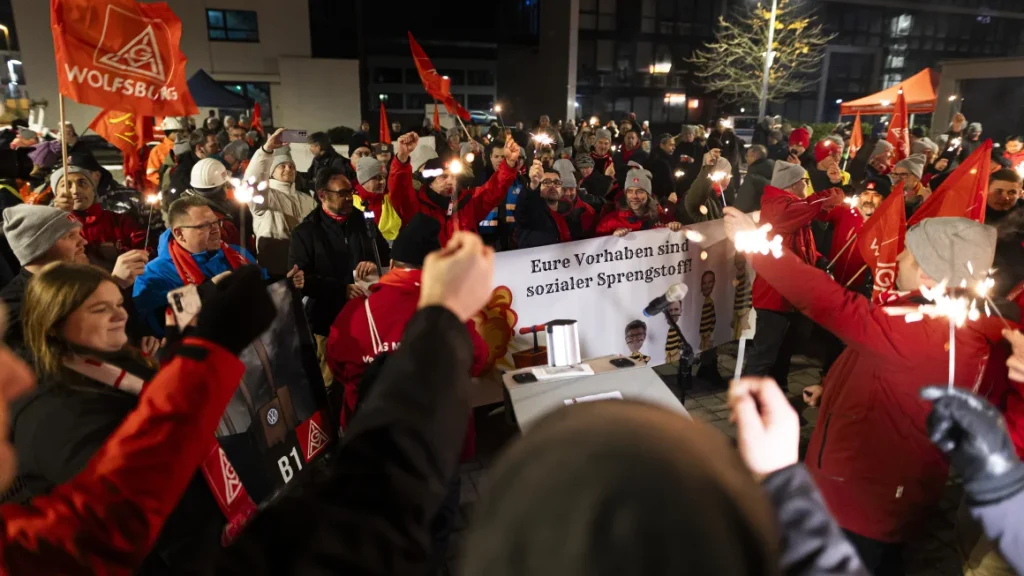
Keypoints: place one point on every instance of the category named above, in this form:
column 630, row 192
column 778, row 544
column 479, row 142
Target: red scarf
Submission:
column 187, row 268
column 339, row 218
column 401, row 277
column 627, row 154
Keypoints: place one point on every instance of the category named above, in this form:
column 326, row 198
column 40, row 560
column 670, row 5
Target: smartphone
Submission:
column 524, row 378
column 185, row 304
column 293, row 136
column 622, row 363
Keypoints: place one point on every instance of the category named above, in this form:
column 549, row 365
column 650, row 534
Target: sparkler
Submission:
column 470, row 157
column 152, row 200
column 542, row 140
column 757, row 242
column 594, row 121
column 955, row 143
column 693, row 236
column 716, row 182
column 455, row 167
column 680, row 173
column 852, row 201
column 245, row 192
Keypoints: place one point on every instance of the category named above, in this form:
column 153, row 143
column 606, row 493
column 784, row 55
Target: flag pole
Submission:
column 841, row 250
column 855, row 276
column 63, row 143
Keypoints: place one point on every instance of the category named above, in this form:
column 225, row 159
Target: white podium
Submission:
column 531, row 401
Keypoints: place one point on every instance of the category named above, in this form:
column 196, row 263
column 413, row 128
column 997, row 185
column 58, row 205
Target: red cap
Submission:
column 825, row 148
column 800, row 137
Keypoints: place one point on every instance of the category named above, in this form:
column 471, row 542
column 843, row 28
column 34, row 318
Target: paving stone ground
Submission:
column 932, row 554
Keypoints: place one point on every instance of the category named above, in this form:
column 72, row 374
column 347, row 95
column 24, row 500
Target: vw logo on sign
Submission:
column 272, row 416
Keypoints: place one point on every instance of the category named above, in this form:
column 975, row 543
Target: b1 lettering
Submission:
column 286, row 467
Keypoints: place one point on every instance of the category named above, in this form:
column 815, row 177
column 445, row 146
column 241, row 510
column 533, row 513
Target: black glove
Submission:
column 973, row 435
column 238, row 312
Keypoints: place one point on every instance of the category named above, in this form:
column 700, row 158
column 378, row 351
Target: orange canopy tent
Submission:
column 918, row 90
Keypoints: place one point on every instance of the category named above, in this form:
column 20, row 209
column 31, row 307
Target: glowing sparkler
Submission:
column 693, row 236
column 470, row 157
column 152, row 200
column 542, row 139
column 955, row 143
column 852, row 201
column 757, row 242
column 455, row 167
column 680, row 173
column 716, row 182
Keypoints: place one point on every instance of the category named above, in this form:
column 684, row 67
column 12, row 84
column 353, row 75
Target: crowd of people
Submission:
column 111, row 406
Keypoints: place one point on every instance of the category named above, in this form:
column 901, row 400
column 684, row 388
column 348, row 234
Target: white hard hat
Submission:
column 171, row 123
column 209, row 173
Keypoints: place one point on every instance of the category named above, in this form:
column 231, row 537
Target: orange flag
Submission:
column 965, row 191
column 856, row 137
column 257, row 118
column 128, row 133
column 385, row 130
column 899, row 130
column 437, row 119
column 439, row 87
column 881, row 240
column 121, row 55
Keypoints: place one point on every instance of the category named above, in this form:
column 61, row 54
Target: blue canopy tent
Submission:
column 209, row 93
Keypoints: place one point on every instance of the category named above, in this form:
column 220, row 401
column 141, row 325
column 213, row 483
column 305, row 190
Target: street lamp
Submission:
column 839, row 100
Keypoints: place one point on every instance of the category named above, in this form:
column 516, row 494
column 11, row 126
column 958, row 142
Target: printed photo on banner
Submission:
column 605, row 284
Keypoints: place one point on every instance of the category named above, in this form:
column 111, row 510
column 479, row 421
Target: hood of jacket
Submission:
column 763, row 167
column 773, row 193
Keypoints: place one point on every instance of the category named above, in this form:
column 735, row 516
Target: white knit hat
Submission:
column 787, row 174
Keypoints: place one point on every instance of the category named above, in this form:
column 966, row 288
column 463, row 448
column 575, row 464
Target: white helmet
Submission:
column 209, row 173
column 171, row 123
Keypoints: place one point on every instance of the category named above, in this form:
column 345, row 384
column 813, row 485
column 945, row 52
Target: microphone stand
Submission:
column 371, row 231
column 683, row 377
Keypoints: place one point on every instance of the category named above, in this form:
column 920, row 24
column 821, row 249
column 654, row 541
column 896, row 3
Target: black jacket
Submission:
column 390, row 475
column 694, row 150
column 13, row 295
column 181, row 177
column 327, row 252
column 598, row 185
column 663, row 174
column 622, row 166
column 331, row 159
column 59, row 426
column 536, row 224
column 759, row 175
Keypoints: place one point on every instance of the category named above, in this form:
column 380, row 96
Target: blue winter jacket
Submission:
column 160, row 277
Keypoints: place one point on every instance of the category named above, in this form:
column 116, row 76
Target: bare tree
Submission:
column 733, row 64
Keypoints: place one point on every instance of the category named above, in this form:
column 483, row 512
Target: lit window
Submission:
column 232, row 26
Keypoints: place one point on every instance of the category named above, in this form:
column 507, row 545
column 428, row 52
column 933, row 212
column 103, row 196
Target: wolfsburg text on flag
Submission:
column 121, row 55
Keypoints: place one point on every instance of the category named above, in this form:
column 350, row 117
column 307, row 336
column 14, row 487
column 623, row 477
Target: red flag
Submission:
column 856, row 137
column 257, row 119
column 899, row 130
column 437, row 119
column 881, row 240
column 125, row 131
column 439, row 87
column 965, row 191
column 121, row 55
column 385, row 130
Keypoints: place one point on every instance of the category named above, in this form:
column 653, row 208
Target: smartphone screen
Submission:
column 293, row 136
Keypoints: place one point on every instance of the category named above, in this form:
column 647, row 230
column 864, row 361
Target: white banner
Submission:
column 605, row 284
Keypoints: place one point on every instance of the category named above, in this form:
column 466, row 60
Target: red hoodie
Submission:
column 1006, row 394
column 613, row 220
column 869, row 454
column 791, row 218
column 350, row 346
column 101, row 226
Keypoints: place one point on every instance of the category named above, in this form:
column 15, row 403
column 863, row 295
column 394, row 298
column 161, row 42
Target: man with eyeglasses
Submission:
column 542, row 217
column 191, row 251
column 333, row 249
column 909, row 171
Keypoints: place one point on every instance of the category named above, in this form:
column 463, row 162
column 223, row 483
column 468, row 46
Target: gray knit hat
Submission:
column 59, row 173
column 913, row 164
column 563, row 167
column 465, row 148
column 569, row 180
column 974, row 128
column 637, row 178
column 238, row 149
column 722, row 165
column 785, row 174
column 689, row 130
column 32, row 230
column 280, row 158
column 368, row 168
column 944, row 246
column 603, row 134
column 923, row 145
column 584, row 161
column 881, row 147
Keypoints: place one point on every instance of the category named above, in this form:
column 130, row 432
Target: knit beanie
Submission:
column 825, row 148
column 722, row 165
column 974, row 128
column 584, row 161
column 944, row 246
column 31, row 230
column 368, row 168
column 280, row 158
column 569, row 180
column 238, row 149
column 417, row 239
column 420, row 156
column 431, row 169
column 913, row 164
column 800, row 137
column 604, row 134
column 59, row 173
column 923, row 145
column 881, row 147
column 638, row 178
column 564, row 168
column 465, row 148
column 785, row 174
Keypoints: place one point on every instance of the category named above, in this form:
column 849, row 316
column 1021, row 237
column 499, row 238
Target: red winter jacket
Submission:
column 101, row 226
column 790, row 218
column 105, row 519
column 588, row 217
column 614, row 220
column 1006, row 394
column 846, row 223
column 350, row 346
column 473, row 204
column 870, row 454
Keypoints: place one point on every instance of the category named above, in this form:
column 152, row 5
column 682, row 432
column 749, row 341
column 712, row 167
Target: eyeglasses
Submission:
column 204, row 227
column 901, row 175
column 343, row 192
column 634, row 339
column 550, row 182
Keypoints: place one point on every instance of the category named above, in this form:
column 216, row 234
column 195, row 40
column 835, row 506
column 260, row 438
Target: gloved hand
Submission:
column 972, row 434
column 238, row 311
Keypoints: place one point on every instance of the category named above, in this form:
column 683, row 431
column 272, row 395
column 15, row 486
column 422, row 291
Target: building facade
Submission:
column 258, row 48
